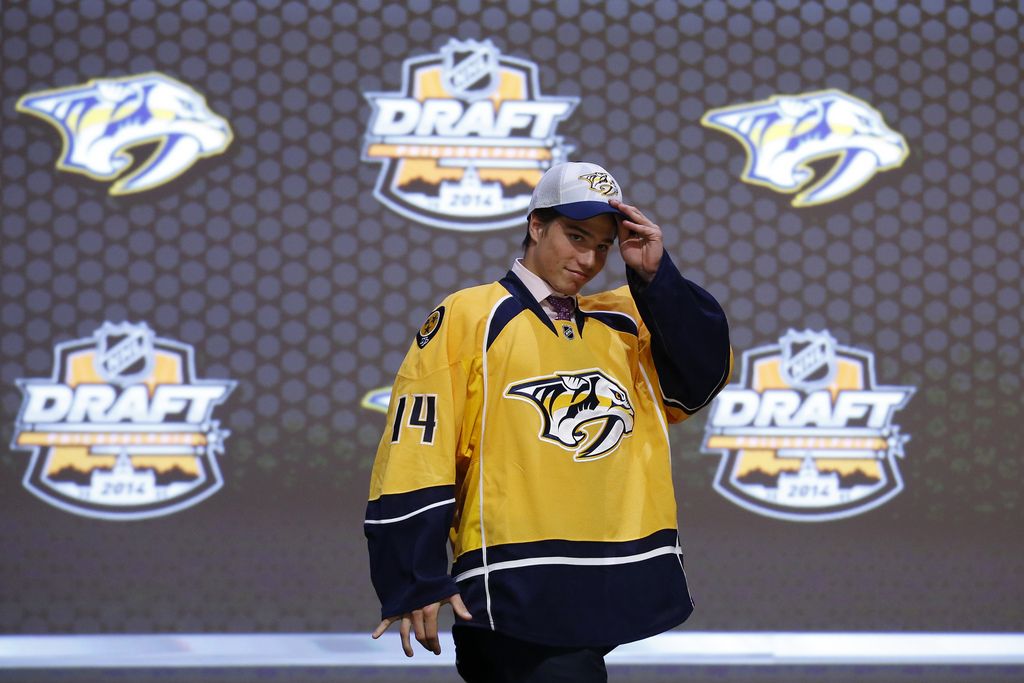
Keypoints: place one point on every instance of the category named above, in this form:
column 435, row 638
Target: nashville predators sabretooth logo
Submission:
column 102, row 120
column 586, row 412
column 123, row 429
column 808, row 433
column 601, row 183
column 785, row 134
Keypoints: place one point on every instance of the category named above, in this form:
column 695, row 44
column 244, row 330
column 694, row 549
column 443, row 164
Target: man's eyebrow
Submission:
column 589, row 233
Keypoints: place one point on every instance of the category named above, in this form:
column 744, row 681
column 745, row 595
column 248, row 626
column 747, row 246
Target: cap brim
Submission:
column 581, row 211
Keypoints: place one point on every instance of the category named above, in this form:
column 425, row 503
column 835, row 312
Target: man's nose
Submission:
column 587, row 257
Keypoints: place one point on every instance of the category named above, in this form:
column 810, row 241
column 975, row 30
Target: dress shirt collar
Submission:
column 535, row 283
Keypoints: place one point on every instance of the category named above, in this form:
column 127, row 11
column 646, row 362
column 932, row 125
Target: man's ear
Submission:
column 536, row 228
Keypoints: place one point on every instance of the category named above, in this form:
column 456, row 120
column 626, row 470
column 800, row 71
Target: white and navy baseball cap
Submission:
column 577, row 190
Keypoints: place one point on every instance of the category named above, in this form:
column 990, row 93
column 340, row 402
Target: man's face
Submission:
column 568, row 253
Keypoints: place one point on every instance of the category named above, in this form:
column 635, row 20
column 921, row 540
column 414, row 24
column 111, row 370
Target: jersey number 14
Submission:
column 422, row 416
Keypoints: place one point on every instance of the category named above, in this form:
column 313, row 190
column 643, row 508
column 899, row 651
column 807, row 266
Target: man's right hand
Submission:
column 423, row 622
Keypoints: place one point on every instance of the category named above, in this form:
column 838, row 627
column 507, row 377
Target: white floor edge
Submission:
column 359, row 650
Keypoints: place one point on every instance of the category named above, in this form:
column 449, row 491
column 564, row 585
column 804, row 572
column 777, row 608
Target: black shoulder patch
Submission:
column 430, row 327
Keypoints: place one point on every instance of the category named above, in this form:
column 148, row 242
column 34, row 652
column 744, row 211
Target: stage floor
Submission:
column 617, row 674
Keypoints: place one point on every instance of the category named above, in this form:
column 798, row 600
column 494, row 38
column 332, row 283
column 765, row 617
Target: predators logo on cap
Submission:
column 122, row 429
column 808, row 434
column 602, row 183
column 466, row 139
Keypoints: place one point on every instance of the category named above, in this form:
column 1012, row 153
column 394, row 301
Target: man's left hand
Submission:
column 639, row 241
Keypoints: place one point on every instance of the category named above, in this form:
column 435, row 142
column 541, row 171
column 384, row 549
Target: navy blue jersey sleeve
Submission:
column 689, row 336
column 407, row 534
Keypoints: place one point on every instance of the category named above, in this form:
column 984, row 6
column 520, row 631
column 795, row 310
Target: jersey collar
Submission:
column 530, row 289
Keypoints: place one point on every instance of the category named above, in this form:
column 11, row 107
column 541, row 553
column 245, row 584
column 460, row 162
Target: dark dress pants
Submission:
column 483, row 656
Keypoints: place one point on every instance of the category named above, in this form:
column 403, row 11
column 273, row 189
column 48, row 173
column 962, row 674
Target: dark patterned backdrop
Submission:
column 277, row 264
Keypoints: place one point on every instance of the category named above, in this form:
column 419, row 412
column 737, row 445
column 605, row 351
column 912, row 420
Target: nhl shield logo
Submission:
column 464, row 142
column 808, row 359
column 808, row 435
column 123, row 428
column 470, row 69
column 124, row 352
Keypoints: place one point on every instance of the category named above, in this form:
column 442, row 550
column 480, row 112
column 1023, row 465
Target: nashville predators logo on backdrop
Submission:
column 122, row 429
column 103, row 119
column 377, row 399
column 586, row 412
column 808, row 434
column 466, row 139
column 785, row 133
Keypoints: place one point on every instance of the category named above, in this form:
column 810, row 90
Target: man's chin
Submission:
column 570, row 289
column 575, row 283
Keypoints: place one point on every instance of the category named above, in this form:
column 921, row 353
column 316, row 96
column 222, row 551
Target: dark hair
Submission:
column 545, row 216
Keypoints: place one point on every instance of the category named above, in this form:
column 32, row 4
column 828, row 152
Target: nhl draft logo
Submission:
column 587, row 412
column 466, row 139
column 784, row 134
column 104, row 118
column 808, row 434
column 122, row 429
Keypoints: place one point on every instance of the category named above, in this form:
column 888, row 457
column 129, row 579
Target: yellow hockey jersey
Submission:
column 539, row 450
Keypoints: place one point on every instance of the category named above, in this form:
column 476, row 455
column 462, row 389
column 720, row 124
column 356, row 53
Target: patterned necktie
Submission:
column 563, row 306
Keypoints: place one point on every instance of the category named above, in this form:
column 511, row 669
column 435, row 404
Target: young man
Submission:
column 528, row 428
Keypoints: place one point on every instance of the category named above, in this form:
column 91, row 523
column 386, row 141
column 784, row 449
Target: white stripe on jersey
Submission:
column 577, row 561
column 392, row 520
